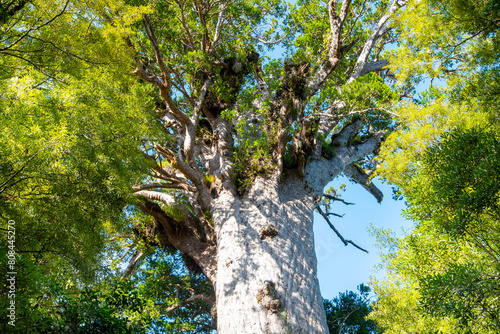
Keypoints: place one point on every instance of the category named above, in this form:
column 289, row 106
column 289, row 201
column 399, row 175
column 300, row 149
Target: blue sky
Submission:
column 340, row 267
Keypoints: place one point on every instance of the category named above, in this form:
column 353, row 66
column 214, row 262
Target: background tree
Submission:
column 444, row 160
column 347, row 312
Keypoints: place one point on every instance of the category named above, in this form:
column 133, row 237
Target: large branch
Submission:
column 132, row 264
column 358, row 175
column 190, row 134
column 320, row 171
column 157, row 196
column 347, row 133
column 334, row 48
column 188, row 240
column 218, row 29
column 193, row 174
column 164, row 83
column 362, row 67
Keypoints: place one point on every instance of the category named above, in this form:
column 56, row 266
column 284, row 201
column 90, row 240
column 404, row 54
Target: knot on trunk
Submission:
column 268, row 231
column 268, row 298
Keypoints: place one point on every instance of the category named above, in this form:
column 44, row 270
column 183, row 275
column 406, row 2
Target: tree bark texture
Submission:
column 266, row 263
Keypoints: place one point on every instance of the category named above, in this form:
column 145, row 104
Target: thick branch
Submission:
column 156, row 196
column 320, row 171
column 164, row 185
column 347, row 133
column 334, row 49
column 374, row 66
column 165, row 83
column 156, row 49
column 218, row 28
column 132, row 265
column 378, row 31
column 358, row 175
column 185, row 236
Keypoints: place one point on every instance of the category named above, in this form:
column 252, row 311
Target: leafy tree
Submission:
column 174, row 111
column 405, row 261
column 51, row 303
column 461, row 198
column 444, row 160
column 347, row 312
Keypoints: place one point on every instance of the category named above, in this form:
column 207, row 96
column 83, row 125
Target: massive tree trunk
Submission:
column 266, row 263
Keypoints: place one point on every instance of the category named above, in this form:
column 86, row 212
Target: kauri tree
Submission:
column 249, row 145
column 177, row 110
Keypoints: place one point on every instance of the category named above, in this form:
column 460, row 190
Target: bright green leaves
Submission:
column 58, row 38
column 466, row 292
column 407, row 260
column 444, row 158
column 421, row 125
column 446, row 40
column 68, row 157
column 457, row 183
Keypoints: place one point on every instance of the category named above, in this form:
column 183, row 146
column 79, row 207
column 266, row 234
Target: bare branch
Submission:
column 171, row 185
column 335, row 198
column 165, row 83
column 157, row 196
column 218, row 28
column 346, row 242
column 156, row 49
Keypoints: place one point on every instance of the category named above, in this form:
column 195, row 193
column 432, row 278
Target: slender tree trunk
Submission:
column 266, row 271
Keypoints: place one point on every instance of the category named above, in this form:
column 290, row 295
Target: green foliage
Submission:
column 69, row 148
column 253, row 154
column 456, row 188
column 456, row 184
column 347, row 312
column 166, row 281
column 465, row 292
column 405, row 261
column 51, row 303
column 77, row 123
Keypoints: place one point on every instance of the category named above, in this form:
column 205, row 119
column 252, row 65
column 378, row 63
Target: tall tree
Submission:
column 240, row 148
column 250, row 145
column 444, row 160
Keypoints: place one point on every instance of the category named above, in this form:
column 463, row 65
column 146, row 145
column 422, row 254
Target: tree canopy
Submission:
column 142, row 140
column 444, row 160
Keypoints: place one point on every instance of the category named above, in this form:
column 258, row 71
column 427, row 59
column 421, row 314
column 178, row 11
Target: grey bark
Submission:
column 266, row 263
